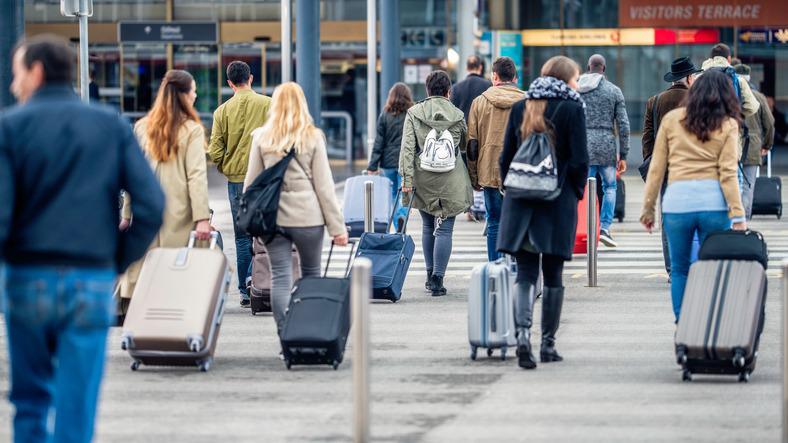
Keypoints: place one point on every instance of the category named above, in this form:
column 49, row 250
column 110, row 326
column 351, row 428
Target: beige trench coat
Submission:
column 184, row 181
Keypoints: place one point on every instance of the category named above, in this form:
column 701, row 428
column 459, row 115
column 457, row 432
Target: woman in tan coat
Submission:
column 173, row 140
column 308, row 203
column 697, row 148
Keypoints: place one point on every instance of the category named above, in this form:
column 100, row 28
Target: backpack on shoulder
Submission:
column 439, row 153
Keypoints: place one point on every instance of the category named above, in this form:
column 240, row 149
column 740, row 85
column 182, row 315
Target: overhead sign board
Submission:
column 618, row 37
column 701, row 13
column 764, row 36
column 75, row 8
column 168, row 32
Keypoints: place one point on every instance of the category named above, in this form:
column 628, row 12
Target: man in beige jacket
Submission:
column 486, row 127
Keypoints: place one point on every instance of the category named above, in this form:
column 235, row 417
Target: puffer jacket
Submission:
column 486, row 128
column 605, row 110
column 441, row 194
column 385, row 153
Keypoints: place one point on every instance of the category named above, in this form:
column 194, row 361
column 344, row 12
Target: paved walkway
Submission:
column 619, row 381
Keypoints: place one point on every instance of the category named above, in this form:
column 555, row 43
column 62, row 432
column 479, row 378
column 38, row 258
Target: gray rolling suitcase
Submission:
column 176, row 311
column 353, row 203
column 490, row 309
column 721, row 318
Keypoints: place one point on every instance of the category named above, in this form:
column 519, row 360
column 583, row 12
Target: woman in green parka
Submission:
column 445, row 191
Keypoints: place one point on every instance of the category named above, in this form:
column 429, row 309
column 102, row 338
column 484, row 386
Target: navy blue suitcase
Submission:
column 391, row 255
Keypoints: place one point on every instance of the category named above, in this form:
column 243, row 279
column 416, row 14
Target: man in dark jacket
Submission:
column 682, row 74
column 465, row 92
column 62, row 167
column 606, row 112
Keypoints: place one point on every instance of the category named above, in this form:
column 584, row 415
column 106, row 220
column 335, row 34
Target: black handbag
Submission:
column 259, row 205
column 735, row 245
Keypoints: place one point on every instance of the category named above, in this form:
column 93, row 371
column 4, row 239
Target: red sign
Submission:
column 702, row 13
column 686, row 36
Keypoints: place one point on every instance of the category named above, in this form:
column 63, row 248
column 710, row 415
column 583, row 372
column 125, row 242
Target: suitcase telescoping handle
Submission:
column 193, row 239
column 352, row 243
column 394, row 210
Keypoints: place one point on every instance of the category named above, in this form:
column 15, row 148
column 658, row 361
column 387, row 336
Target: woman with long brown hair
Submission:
column 533, row 228
column 173, row 140
column 697, row 147
column 385, row 153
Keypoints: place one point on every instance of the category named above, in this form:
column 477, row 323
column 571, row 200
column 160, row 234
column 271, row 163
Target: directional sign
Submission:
column 74, row 8
column 168, row 32
column 767, row 36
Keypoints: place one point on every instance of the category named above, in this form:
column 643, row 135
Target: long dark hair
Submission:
column 711, row 101
column 399, row 100
column 171, row 109
column 564, row 69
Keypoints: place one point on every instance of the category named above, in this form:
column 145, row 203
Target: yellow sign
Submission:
column 589, row 37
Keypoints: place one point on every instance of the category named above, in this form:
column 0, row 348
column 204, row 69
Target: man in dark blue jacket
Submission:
column 62, row 166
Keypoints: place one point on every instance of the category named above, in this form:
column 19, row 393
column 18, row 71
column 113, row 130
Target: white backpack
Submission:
column 439, row 153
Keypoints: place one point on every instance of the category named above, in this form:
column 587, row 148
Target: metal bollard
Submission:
column 369, row 206
column 591, row 233
column 360, row 291
column 785, row 351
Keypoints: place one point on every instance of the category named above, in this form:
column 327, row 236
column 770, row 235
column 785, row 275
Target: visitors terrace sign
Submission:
column 701, row 13
column 168, row 32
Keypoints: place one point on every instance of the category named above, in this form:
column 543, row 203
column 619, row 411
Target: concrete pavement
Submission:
column 619, row 381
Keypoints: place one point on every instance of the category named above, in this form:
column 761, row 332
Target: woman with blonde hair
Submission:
column 533, row 228
column 173, row 140
column 307, row 204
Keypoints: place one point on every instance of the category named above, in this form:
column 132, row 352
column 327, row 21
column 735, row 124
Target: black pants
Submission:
column 528, row 269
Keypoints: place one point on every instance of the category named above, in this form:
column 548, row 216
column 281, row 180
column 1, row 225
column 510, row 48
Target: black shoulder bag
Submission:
column 259, row 205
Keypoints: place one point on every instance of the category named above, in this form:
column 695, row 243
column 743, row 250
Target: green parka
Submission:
column 441, row 194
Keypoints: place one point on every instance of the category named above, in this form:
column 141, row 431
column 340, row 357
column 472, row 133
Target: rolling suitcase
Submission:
column 581, row 234
column 490, row 308
column 767, row 196
column 353, row 203
column 176, row 311
column 260, row 280
column 391, row 255
column 317, row 322
column 722, row 313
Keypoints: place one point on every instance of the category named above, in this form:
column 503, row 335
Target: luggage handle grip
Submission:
column 193, row 239
column 394, row 210
column 352, row 243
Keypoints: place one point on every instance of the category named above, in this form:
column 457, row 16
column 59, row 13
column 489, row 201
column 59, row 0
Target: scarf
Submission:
column 544, row 88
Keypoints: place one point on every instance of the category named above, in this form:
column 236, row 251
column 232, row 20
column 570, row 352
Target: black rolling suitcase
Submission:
column 317, row 322
column 722, row 313
column 767, row 196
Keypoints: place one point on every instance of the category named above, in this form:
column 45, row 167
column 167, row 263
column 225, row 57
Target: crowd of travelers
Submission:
column 60, row 237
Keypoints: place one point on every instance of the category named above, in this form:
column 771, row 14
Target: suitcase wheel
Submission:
column 681, row 356
column 503, row 354
column 686, row 375
column 288, row 364
column 489, row 352
column 744, row 377
column 204, row 365
column 473, row 352
column 738, row 359
column 335, row 365
column 135, row 365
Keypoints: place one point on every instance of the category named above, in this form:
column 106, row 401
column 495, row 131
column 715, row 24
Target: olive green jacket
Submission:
column 441, row 194
column 233, row 123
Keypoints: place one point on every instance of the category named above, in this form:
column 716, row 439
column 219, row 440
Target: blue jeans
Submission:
column 608, row 174
column 436, row 243
column 681, row 229
column 243, row 242
column 493, row 200
column 57, row 320
column 396, row 184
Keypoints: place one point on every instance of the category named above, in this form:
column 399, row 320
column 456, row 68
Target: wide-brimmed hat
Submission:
column 681, row 68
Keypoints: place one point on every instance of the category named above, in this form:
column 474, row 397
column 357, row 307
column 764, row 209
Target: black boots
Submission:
column 429, row 280
column 552, row 300
column 523, row 314
column 436, row 285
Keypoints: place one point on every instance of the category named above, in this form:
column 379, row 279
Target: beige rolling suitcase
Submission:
column 176, row 310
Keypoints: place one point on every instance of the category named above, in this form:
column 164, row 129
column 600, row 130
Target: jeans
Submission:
column 665, row 247
column 493, row 200
column 57, row 320
column 608, row 174
column 681, row 229
column 308, row 243
column 396, row 184
column 748, row 188
column 436, row 243
column 243, row 242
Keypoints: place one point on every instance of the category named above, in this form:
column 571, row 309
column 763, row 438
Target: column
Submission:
column 307, row 47
column 390, row 51
column 12, row 28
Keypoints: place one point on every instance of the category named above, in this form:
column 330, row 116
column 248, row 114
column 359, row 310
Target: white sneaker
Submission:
column 607, row 239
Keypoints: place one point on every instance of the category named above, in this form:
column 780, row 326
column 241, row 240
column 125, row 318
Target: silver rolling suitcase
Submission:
column 490, row 308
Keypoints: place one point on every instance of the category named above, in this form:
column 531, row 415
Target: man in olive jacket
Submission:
column 439, row 196
column 486, row 127
column 233, row 123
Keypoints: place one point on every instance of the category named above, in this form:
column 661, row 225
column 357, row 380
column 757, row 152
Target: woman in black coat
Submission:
column 530, row 228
